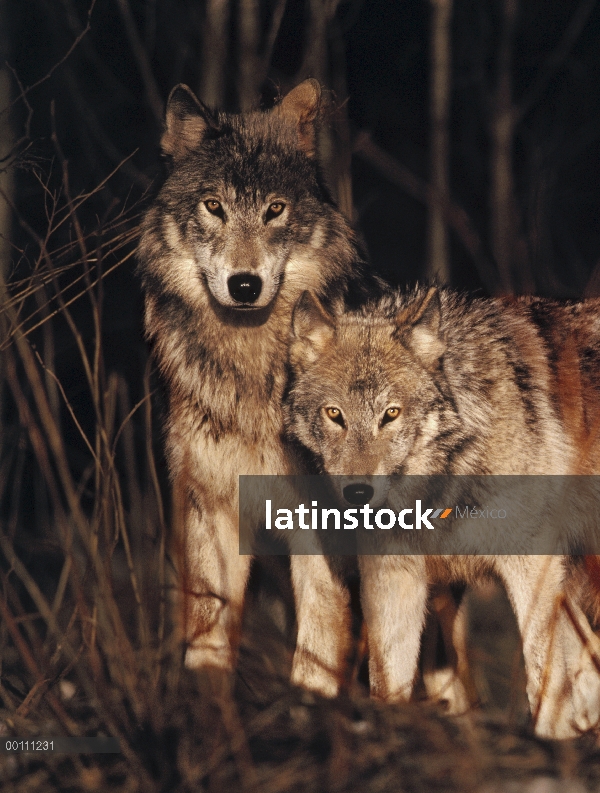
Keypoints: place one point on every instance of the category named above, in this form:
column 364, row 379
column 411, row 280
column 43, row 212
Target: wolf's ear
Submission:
column 186, row 122
column 312, row 329
column 419, row 329
column 302, row 107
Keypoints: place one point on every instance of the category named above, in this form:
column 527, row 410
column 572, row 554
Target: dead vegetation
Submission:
column 86, row 643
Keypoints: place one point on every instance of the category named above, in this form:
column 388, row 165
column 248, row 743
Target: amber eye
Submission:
column 213, row 206
column 390, row 415
column 275, row 209
column 335, row 414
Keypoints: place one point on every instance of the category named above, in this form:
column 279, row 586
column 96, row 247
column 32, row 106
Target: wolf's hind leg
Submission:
column 446, row 674
column 585, row 660
column 562, row 683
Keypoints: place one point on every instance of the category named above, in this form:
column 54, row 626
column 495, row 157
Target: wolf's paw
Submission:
column 216, row 656
column 586, row 695
column 315, row 675
column 572, row 708
column 444, row 686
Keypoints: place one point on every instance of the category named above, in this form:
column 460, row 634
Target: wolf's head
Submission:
column 244, row 208
column 369, row 396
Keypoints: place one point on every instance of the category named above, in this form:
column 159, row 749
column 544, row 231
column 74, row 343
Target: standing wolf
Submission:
column 432, row 382
column 242, row 226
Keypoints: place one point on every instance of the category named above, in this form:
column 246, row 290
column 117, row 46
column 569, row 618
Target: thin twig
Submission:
column 68, row 406
column 456, row 217
column 140, row 55
column 58, row 63
column 556, row 59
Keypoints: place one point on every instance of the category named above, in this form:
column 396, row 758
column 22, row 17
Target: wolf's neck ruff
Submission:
column 463, row 378
column 206, row 263
column 229, row 360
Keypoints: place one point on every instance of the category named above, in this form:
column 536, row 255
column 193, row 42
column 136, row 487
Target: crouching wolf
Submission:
column 242, row 226
column 433, row 382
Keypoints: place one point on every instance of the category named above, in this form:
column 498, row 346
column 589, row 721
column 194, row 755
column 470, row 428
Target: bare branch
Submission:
column 58, row 63
column 68, row 405
column 504, row 213
column 249, row 38
column 214, row 52
column 138, row 50
column 455, row 216
column 556, row 59
column 276, row 20
column 438, row 263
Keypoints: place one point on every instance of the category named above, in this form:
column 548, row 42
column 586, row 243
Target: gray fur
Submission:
column 219, row 215
column 436, row 382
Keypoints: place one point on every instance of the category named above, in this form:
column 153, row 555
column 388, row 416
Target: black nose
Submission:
column 358, row 494
column 244, row 288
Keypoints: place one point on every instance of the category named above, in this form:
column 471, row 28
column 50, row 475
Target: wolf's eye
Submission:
column 275, row 209
column 335, row 414
column 391, row 414
column 214, row 207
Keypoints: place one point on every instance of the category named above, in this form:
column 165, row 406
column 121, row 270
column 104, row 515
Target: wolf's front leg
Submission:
column 213, row 579
column 324, row 625
column 394, row 601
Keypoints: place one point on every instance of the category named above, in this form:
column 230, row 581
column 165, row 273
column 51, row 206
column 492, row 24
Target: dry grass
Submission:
column 86, row 646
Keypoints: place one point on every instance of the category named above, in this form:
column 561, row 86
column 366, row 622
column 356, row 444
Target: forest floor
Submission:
column 265, row 735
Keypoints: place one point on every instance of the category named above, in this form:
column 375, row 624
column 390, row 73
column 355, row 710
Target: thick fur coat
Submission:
column 435, row 382
column 241, row 227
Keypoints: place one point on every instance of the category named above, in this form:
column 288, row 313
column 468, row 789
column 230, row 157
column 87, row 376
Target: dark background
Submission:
column 84, row 507
column 87, row 93
column 375, row 55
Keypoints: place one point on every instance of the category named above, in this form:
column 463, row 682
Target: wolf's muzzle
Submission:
column 244, row 288
column 358, row 494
